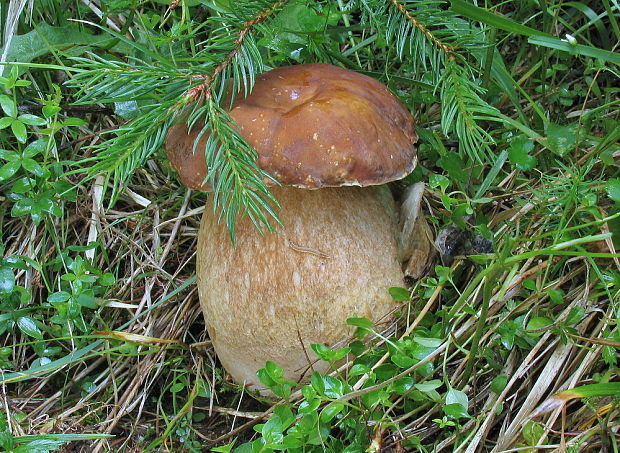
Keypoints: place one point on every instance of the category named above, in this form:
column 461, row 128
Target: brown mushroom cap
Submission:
column 313, row 126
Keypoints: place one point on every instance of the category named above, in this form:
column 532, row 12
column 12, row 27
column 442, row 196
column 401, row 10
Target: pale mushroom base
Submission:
column 273, row 296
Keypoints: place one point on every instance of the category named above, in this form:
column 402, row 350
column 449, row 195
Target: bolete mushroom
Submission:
column 317, row 127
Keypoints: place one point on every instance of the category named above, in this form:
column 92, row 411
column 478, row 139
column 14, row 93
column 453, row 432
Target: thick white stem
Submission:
column 273, row 296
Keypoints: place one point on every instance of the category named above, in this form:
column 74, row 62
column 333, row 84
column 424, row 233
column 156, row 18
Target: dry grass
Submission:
column 147, row 373
column 149, row 239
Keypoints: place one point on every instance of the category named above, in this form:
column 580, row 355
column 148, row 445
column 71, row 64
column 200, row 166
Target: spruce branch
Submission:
column 463, row 110
column 205, row 87
column 226, row 63
column 238, row 184
column 196, row 78
column 447, row 49
column 237, row 180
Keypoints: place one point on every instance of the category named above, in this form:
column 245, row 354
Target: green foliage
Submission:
column 517, row 114
column 158, row 84
column 41, row 443
column 327, row 411
column 37, row 187
column 518, row 153
column 156, row 80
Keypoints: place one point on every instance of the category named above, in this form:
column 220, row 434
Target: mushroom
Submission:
column 270, row 297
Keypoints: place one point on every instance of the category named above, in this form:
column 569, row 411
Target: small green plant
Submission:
column 42, row 443
column 327, row 410
column 31, row 167
column 517, row 116
column 80, row 287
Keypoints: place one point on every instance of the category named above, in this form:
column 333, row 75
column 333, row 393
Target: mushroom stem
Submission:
column 271, row 297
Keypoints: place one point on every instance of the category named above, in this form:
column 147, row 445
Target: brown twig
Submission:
column 83, row 138
column 81, row 109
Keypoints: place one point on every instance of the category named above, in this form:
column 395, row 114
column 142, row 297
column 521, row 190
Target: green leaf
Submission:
column 584, row 391
column 30, row 206
column 575, row 49
column 286, row 416
column 272, row 430
column 22, row 207
column 32, row 120
column 5, row 122
column 322, row 352
column 8, row 105
column 45, row 443
column 59, row 296
column 498, row 384
column 454, row 165
column 50, row 110
column 247, row 448
column 87, row 300
column 334, row 388
column 32, row 166
column 612, row 186
column 518, row 153
column 19, row 130
column 330, row 412
column 7, row 280
column 290, row 32
column 107, row 279
column 45, row 38
column 456, row 404
column 308, row 392
column 224, row 448
column 6, row 441
column 71, row 122
column 439, row 181
column 403, row 361
column 429, row 386
column 358, row 369
column 376, row 397
column 428, row 342
column 310, row 406
column 536, row 323
column 7, row 155
column 455, row 396
column 591, row 390
column 126, row 109
column 274, row 371
column 29, row 327
column 363, row 323
column 533, row 432
column 556, row 295
column 561, row 139
column 399, row 294
column 264, row 378
column 9, row 169
column 23, row 185
column 403, row 385
column 575, row 315
column 455, row 411
column 328, row 354
column 308, row 422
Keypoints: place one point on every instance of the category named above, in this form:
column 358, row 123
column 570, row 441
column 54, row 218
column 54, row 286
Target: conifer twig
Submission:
column 195, row 92
column 448, row 50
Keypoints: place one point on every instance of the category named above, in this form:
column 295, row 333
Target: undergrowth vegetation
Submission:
column 512, row 347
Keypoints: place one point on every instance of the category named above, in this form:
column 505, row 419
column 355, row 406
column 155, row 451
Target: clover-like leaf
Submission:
column 518, row 153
